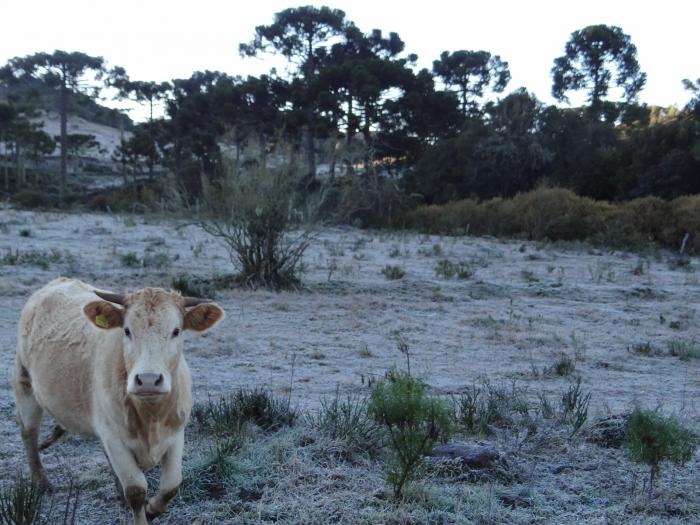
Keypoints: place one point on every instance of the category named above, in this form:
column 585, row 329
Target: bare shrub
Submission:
column 252, row 213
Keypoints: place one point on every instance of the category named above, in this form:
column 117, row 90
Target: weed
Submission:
column 346, row 419
column 226, row 415
column 447, row 269
column 25, row 232
column 574, row 406
column 192, row 286
column 644, row 349
column 579, row 347
column 684, row 350
column 563, row 366
column 39, row 258
column 483, row 407
column 130, row 260
column 393, row 272
column 156, row 260
column 529, row 276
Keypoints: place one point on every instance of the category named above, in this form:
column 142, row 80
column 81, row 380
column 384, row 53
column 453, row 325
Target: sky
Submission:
column 160, row 40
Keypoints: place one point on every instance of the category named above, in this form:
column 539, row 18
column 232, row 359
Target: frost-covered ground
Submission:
column 525, row 306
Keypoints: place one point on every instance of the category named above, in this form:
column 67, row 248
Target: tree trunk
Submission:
column 310, row 152
column 150, row 138
column 64, row 142
column 5, row 160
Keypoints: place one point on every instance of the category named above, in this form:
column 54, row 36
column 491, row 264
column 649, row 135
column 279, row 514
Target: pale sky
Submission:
column 161, row 40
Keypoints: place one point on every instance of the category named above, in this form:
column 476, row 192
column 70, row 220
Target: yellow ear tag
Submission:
column 101, row 321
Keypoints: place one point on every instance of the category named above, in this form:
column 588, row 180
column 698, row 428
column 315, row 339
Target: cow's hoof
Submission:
column 151, row 513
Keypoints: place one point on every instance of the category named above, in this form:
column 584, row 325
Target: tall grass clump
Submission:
column 413, row 421
column 226, row 415
column 652, row 438
column 23, row 502
column 345, row 419
column 252, row 212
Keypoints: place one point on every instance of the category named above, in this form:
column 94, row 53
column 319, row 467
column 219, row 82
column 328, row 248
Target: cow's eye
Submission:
column 176, row 332
column 127, row 333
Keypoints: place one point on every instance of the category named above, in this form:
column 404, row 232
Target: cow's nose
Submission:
column 149, row 384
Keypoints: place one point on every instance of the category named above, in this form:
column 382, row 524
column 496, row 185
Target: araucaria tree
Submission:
column 595, row 57
column 302, row 35
column 67, row 73
column 470, row 73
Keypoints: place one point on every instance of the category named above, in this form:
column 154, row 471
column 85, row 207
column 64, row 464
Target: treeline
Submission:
column 371, row 134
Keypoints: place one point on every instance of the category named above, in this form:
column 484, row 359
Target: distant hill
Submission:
column 46, row 99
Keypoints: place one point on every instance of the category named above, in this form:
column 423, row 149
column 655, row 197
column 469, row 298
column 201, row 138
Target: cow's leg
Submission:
column 29, row 415
column 170, row 478
column 130, row 477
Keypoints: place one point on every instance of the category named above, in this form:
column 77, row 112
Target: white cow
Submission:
column 110, row 366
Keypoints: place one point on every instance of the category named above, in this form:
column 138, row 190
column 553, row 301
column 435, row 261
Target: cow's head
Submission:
column 152, row 321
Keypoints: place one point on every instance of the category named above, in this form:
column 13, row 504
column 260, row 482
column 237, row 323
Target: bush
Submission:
column 557, row 214
column 413, row 421
column 252, row 214
column 652, row 438
column 226, row 415
column 31, row 199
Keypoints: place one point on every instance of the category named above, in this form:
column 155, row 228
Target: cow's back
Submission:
column 56, row 346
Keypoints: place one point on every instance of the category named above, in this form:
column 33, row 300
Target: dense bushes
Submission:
column 558, row 214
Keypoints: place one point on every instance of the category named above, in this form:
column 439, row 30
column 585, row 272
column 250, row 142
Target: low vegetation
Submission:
column 413, row 420
column 652, row 438
column 560, row 215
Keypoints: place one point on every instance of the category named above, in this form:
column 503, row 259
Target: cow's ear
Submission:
column 104, row 314
column 203, row 316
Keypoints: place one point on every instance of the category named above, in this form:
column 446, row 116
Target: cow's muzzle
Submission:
column 149, row 384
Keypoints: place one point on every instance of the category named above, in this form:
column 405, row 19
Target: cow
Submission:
column 110, row 366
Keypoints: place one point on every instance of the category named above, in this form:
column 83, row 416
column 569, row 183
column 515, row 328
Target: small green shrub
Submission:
column 130, row 260
column 25, row 232
column 392, row 272
column 413, row 421
column 652, row 438
column 448, row 269
column 227, row 414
